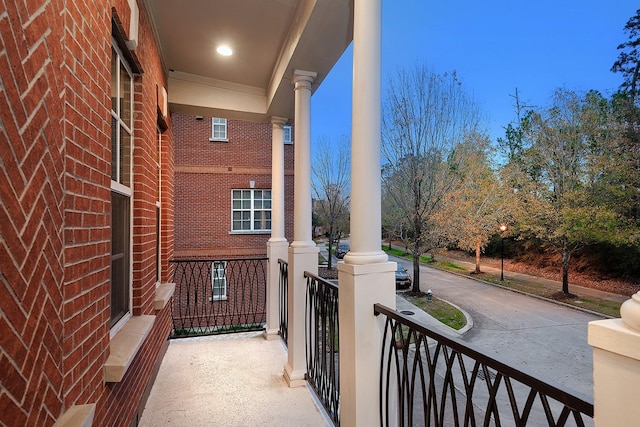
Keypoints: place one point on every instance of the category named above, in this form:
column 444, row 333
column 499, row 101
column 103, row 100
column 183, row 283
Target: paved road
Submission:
column 541, row 338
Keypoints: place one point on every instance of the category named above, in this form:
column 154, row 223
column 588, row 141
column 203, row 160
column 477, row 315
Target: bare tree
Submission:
column 331, row 167
column 425, row 116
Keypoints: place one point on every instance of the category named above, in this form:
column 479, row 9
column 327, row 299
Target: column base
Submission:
column 294, row 379
column 271, row 334
column 364, row 258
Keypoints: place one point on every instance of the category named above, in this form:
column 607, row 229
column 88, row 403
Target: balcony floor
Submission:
column 228, row 380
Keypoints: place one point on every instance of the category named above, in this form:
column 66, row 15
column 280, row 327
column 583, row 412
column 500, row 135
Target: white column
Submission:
column 616, row 367
column 277, row 244
column 366, row 219
column 302, row 235
column 303, row 253
column 365, row 276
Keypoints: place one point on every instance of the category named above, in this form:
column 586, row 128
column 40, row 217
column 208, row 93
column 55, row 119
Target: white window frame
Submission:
column 251, row 209
column 116, row 185
column 218, row 280
column 159, row 211
column 219, row 130
column 287, row 135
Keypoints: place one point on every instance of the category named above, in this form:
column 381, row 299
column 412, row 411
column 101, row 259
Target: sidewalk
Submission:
column 553, row 285
column 547, row 283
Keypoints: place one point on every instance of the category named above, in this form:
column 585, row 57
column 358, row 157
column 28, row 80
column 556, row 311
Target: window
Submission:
column 286, row 132
column 158, row 266
column 218, row 280
column 218, row 129
column 121, row 186
column 158, row 216
column 251, row 210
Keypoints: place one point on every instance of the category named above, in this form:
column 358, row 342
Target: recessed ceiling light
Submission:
column 224, row 50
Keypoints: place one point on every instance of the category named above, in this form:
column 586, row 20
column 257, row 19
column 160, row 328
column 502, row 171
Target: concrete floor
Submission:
column 228, row 380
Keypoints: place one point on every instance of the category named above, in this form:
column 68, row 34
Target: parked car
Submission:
column 342, row 250
column 403, row 280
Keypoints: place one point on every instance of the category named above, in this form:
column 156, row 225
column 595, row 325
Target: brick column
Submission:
column 277, row 244
column 365, row 275
column 303, row 253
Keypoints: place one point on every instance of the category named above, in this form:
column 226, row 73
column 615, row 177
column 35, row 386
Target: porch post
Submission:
column 303, row 253
column 365, row 276
column 616, row 367
column 277, row 244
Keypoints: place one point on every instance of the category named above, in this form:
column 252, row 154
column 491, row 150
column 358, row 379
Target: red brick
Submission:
column 10, row 412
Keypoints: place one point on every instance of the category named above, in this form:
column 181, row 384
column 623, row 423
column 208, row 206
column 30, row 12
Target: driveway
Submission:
column 541, row 338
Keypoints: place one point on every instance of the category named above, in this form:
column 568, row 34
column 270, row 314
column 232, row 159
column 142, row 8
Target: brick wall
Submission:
column 206, row 172
column 31, row 213
column 87, row 79
column 55, row 146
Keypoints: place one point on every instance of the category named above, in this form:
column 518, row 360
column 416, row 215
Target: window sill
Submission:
column 77, row 416
column 216, row 299
column 218, row 140
column 125, row 345
column 164, row 292
column 250, row 232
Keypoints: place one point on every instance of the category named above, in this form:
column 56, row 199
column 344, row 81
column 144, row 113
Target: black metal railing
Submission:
column 322, row 344
column 218, row 296
column 283, row 289
column 433, row 380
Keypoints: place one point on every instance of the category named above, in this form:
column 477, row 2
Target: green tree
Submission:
column 628, row 62
column 561, row 173
column 425, row 116
column 330, row 185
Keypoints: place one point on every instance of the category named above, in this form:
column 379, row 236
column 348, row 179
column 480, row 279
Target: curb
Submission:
column 584, row 310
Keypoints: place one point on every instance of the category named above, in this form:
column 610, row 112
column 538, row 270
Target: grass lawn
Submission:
column 440, row 310
column 602, row 306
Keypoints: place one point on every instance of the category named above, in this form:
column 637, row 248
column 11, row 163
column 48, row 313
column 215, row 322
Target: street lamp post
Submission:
column 503, row 228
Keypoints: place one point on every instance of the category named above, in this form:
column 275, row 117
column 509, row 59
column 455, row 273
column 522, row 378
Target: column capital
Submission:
column 303, row 78
column 279, row 121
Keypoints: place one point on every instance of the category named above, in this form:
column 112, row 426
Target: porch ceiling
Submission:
column 270, row 39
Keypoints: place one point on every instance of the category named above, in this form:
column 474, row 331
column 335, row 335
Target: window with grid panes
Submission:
column 286, row 134
column 218, row 280
column 218, row 129
column 121, row 185
column 251, row 210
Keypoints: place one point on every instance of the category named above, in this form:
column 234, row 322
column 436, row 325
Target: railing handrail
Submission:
column 571, row 399
column 321, row 280
column 177, row 260
column 282, row 261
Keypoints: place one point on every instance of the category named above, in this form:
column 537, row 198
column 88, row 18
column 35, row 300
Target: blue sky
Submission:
column 494, row 46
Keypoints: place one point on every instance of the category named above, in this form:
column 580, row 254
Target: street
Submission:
column 543, row 339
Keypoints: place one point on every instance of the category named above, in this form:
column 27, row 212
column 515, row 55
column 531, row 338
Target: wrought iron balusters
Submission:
column 433, row 380
column 283, row 288
column 218, row 296
column 322, row 343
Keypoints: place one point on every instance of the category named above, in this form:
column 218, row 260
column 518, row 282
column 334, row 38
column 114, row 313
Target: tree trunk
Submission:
column 416, row 273
column 566, row 255
column 478, row 257
column 329, row 261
